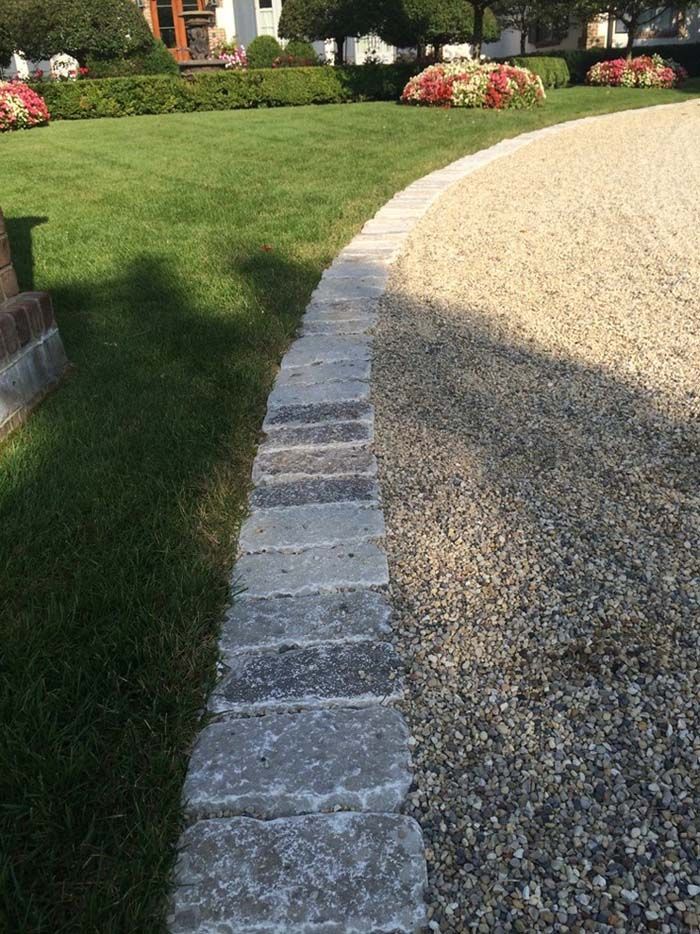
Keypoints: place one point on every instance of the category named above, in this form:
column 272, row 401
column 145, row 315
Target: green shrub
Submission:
column 300, row 48
column 580, row 61
column 262, row 52
column 223, row 90
column 157, row 61
column 554, row 72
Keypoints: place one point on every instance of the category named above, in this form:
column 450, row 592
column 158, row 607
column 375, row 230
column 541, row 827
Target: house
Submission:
column 670, row 28
column 244, row 20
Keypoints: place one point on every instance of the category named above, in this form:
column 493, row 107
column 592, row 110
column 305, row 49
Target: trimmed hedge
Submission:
column 581, row 61
column 223, row 90
column 554, row 72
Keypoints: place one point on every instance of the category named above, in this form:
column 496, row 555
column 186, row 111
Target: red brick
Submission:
column 8, row 283
column 18, row 313
column 43, row 300
column 9, row 342
column 4, row 250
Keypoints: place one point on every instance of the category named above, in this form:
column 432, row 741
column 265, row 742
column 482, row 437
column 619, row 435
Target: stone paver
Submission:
column 290, row 764
column 265, row 624
column 293, row 528
column 323, row 349
column 338, row 433
column 319, row 874
column 324, row 374
column 314, row 570
column 287, row 394
column 323, row 490
column 290, row 415
column 328, row 674
column 320, row 461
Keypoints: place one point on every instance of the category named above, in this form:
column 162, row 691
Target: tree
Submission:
column 526, row 15
column 634, row 14
column 318, row 20
column 482, row 15
column 419, row 23
column 104, row 29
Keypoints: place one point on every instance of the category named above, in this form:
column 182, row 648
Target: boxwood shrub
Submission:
column 222, row 90
column 554, row 72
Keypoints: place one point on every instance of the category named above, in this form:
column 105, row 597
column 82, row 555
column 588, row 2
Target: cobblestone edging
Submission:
column 294, row 793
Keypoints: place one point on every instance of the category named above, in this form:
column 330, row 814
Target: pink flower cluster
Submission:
column 486, row 85
column 20, row 107
column 645, row 71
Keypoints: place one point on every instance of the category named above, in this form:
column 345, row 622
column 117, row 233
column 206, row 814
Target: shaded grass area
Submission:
column 180, row 252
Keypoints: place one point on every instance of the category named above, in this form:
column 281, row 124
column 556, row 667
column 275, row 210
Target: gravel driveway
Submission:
column 537, row 384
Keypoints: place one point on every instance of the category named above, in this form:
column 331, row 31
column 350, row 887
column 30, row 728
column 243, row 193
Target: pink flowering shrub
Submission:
column 232, row 55
column 20, row 107
column 475, row 84
column 645, row 71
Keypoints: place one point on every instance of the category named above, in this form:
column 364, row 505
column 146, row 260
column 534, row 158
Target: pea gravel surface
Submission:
column 537, row 387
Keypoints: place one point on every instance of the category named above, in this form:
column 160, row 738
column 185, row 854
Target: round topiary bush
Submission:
column 301, row 50
column 20, row 107
column 475, row 84
column 645, row 71
column 263, row 51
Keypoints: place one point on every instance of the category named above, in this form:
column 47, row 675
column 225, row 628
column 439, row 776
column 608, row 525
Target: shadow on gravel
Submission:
column 544, row 538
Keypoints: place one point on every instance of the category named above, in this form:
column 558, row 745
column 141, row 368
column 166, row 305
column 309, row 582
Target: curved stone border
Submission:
column 294, row 791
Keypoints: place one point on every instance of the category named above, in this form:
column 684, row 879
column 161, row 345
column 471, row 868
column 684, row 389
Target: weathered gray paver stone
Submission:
column 323, row 374
column 264, row 624
column 323, row 349
column 321, row 461
column 318, row 874
column 344, row 326
column 289, row 415
column 352, row 308
column 322, row 490
column 343, row 269
column 305, row 436
column 305, row 763
column 346, row 391
column 347, row 673
column 339, row 289
column 315, row 570
column 320, row 524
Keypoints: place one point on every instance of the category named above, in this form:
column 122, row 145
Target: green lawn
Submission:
column 180, row 252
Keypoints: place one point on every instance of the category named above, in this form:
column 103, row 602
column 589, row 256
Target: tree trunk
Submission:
column 523, row 42
column 340, row 50
column 478, row 30
column 631, row 34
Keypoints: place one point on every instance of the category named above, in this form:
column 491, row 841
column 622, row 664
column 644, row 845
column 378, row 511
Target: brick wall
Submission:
column 32, row 358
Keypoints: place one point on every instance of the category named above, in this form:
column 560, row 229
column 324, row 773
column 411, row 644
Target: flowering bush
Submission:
column 20, row 107
column 475, row 84
column 645, row 71
column 232, row 55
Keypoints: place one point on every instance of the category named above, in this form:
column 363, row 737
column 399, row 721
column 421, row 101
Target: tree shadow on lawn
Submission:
column 20, row 233
column 119, row 507
column 561, row 509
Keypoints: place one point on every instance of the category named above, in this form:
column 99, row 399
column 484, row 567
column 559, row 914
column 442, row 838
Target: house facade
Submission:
column 246, row 19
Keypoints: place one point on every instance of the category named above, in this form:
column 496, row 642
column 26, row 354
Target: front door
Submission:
column 170, row 27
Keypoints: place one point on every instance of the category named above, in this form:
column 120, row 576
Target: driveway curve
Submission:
column 537, row 389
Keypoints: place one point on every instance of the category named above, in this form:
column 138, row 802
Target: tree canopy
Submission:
column 417, row 23
column 328, row 19
column 525, row 15
column 100, row 28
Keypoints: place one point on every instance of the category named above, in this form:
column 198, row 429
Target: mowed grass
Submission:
column 180, row 252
